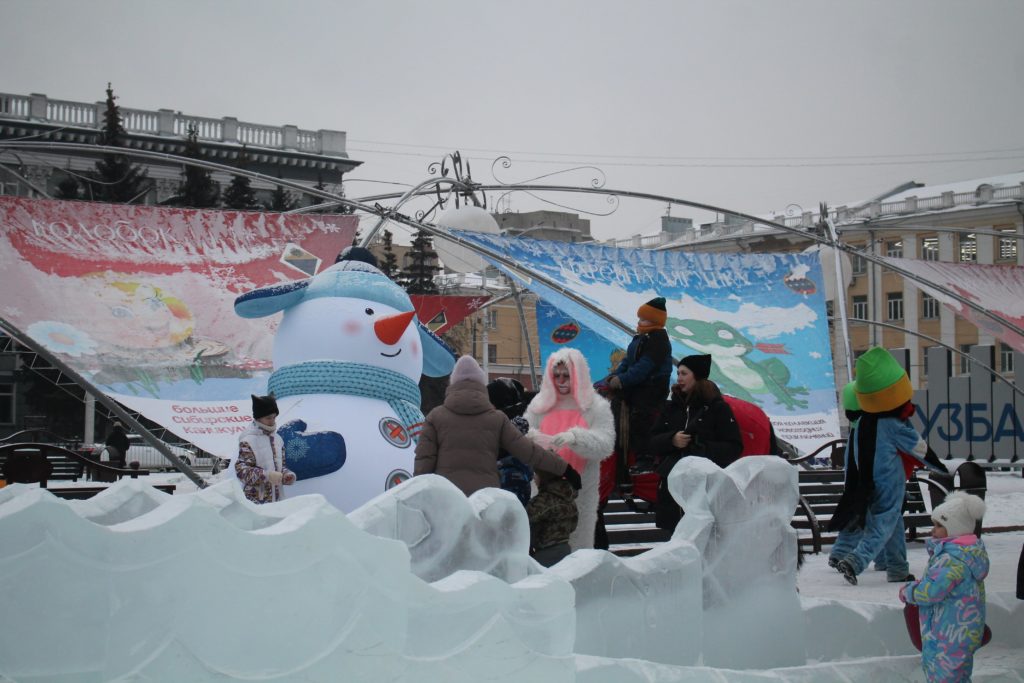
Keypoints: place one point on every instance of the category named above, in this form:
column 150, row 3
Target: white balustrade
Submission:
column 14, row 105
column 259, row 136
column 206, row 129
column 139, row 121
column 308, row 141
column 74, row 113
column 166, row 122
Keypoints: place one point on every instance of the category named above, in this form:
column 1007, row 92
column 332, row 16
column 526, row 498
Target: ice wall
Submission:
column 446, row 533
column 739, row 520
column 136, row 585
column 208, row 587
column 645, row 607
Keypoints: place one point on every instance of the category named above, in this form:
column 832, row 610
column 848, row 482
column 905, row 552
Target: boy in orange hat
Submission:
column 641, row 380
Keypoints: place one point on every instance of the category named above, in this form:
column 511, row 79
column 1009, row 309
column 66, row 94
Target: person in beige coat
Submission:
column 461, row 438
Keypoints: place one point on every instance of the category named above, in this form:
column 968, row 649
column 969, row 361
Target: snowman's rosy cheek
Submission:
column 351, row 327
column 414, row 348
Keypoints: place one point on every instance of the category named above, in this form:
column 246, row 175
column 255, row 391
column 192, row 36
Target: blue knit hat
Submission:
column 349, row 280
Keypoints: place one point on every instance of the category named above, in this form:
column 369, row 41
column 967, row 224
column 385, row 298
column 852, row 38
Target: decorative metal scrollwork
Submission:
column 597, row 181
column 465, row 189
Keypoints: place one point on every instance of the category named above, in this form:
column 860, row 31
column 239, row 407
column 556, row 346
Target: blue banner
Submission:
column 760, row 316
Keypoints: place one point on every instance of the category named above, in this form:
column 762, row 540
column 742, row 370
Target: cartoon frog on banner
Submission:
column 736, row 373
column 347, row 355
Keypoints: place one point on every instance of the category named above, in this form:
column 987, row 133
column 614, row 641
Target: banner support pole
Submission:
column 517, row 295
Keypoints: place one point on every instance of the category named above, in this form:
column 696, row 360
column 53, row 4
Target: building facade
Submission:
column 974, row 221
column 302, row 156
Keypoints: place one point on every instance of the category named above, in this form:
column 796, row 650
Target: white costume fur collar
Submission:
column 582, row 388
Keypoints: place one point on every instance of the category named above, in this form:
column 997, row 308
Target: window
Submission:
column 492, row 353
column 6, row 404
column 968, row 248
column 924, row 354
column 894, row 248
column 1007, row 245
column 860, row 265
column 491, row 318
column 930, row 249
column 929, row 307
column 894, row 305
column 859, row 308
column 1005, row 358
column 965, row 360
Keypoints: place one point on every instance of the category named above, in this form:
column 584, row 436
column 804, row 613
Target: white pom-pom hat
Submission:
column 960, row 513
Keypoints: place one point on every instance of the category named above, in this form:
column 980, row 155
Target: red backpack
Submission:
column 755, row 427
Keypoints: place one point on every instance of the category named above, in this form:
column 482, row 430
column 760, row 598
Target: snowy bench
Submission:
column 820, row 491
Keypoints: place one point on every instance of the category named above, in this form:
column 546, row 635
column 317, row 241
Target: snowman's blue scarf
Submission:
column 352, row 379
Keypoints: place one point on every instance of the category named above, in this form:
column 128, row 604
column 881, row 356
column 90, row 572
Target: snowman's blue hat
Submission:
column 350, row 280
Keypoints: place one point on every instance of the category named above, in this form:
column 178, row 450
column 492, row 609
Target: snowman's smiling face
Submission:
column 352, row 330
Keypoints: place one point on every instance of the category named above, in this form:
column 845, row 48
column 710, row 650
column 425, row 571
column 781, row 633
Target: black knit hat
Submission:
column 699, row 365
column 505, row 392
column 355, row 253
column 263, row 406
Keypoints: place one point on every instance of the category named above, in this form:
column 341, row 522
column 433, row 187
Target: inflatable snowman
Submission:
column 348, row 355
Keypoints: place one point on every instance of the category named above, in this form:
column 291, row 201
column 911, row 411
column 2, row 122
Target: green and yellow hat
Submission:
column 850, row 401
column 882, row 384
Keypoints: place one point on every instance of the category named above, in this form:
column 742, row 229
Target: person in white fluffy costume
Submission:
column 578, row 424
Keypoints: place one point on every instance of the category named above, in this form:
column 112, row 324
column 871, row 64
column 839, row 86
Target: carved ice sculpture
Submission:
column 739, row 519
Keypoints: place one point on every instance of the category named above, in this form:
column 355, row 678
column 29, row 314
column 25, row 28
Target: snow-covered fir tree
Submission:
column 198, row 189
column 418, row 276
column 116, row 179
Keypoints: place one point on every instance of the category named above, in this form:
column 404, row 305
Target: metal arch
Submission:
column 524, row 272
column 108, row 402
column 803, row 233
column 189, row 161
column 944, row 345
column 511, row 265
column 412, row 192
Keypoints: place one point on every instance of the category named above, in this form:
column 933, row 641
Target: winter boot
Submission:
column 908, row 577
column 846, row 569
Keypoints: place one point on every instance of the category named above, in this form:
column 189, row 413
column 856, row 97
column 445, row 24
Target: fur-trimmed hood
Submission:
column 582, row 388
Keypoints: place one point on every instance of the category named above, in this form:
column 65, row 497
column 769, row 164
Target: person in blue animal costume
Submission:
column 872, row 503
column 951, row 594
column 848, row 539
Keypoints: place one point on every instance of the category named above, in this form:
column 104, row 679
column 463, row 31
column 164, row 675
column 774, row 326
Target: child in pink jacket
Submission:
column 951, row 595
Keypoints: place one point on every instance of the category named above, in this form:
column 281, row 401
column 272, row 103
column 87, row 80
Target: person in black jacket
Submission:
column 117, row 445
column 639, row 383
column 696, row 422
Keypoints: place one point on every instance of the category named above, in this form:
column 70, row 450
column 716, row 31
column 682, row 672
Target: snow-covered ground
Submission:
column 1005, row 507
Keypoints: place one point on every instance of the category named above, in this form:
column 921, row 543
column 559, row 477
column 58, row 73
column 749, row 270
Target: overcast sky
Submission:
column 749, row 105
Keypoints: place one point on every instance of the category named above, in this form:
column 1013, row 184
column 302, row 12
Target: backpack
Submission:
column 755, row 427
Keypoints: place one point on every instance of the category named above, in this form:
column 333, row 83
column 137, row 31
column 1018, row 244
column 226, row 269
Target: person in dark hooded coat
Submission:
column 695, row 422
column 462, row 438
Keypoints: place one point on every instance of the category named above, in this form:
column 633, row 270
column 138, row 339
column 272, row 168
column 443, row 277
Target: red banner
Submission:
column 441, row 313
column 140, row 299
column 996, row 288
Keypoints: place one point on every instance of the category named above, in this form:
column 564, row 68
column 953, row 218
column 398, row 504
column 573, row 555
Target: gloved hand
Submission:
column 288, row 478
column 274, row 478
column 573, row 477
column 564, row 439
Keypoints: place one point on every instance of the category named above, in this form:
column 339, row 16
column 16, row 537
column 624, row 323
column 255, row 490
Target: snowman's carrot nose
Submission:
column 390, row 328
